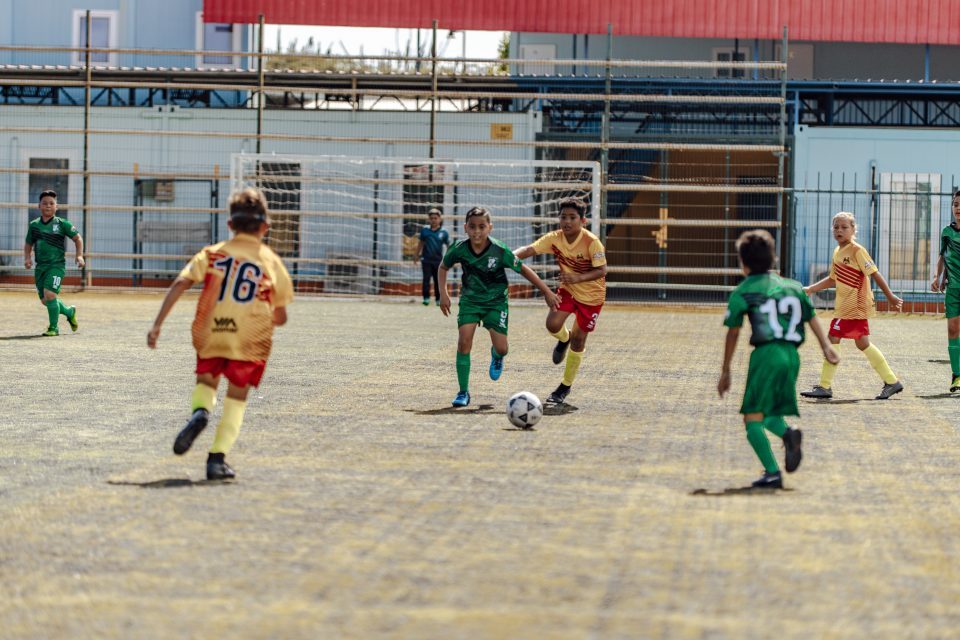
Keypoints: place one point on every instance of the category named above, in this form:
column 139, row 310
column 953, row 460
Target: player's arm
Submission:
column 895, row 301
column 442, row 284
column 729, row 346
column 419, row 248
column 279, row 316
column 176, row 290
column 525, row 252
column 78, row 241
column 548, row 296
column 828, row 351
column 937, row 279
column 27, row 251
column 587, row 276
column 826, row 283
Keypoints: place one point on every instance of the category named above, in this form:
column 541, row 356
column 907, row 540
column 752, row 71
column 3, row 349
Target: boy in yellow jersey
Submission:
column 850, row 272
column 582, row 290
column 246, row 290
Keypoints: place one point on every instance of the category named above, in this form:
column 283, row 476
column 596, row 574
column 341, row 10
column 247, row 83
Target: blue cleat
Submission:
column 496, row 365
column 462, row 399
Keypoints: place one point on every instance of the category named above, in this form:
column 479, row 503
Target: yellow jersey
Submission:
column 243, row 282
column 582, row 255
column 851, row 269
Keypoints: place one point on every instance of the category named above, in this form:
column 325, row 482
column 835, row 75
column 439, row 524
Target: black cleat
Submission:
column 791, row 440
column 196, row 424
column 821, row 393
column 560, row 351
column 218, row 469
column 559, row 394
column 769, row 481
column 890, row 389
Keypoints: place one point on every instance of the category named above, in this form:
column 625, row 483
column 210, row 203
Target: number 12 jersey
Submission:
column 777, row 307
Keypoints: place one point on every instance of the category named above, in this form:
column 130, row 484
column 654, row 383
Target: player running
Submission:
column 947, row 280
column 777, row 309
column 582, row 291
column 484, row 294
column 246, row 290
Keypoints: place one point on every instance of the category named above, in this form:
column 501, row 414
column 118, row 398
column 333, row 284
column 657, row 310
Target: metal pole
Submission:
column 86, row 277
column 783, row 140
column 605, row 135
column 260, row 94
column 433, row 93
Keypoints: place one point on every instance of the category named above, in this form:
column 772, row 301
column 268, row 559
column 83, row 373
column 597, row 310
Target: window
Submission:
column 103, row 35
column 217, row 36
column 909, row 227
column 731, row 55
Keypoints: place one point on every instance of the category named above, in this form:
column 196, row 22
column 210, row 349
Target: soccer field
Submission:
column 365, row 506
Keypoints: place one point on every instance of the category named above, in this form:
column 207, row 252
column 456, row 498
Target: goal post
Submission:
column 350, row 225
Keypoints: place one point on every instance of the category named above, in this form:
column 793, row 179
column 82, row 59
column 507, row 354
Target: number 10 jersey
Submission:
column 243, row 281
column 777, row 307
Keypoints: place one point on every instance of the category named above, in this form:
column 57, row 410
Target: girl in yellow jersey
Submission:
column 850, row 272
column 246, row 290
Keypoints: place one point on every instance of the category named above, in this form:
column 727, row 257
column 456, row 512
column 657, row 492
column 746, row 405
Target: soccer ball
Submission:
column 524, row 410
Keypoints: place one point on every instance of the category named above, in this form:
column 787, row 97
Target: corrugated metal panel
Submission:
column 892, row 21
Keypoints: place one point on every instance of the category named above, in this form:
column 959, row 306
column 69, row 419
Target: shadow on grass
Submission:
column 480, row 408
column 938, row 396
column 935, row 361
column 30, row 337
column 738, row 491
column 559, row 409
column 829, row 401
column 168, row 483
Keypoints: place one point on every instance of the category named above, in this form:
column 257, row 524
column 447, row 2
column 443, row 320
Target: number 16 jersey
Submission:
column 777, row 307
column 243, row 281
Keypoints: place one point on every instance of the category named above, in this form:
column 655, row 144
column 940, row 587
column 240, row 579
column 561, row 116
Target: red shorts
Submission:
column 239, row 372
column 586, row 314
column 852, row 329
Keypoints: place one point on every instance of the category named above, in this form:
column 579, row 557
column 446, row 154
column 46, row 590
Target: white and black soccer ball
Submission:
column 524, row 410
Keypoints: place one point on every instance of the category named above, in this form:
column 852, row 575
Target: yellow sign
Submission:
column 501, row 131
column 661, row 235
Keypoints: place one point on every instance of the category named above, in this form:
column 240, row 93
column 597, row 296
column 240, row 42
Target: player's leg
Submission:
column 234, row 406
column 496, row 320
column 202, row 401
column 425, row 284
column 585, row 322
column 556, row 325
column 828, row 370
column 435, row 273
column 952, row 303
column 771, row 478
column 50, row 280
column 464, row 345
column 890, row 383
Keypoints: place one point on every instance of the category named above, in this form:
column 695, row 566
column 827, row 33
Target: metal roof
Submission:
column 887, row 21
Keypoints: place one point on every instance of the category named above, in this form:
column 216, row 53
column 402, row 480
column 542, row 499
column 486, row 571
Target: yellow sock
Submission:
column 573, row 365
column 563, row 335
column 204, row 397
column 828, row 370
column 229, row 427
column 879, row 364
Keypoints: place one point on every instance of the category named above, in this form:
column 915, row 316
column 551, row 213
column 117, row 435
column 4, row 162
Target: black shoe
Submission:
column 890, row 389
column 791, row 440
column 821, row 393
column 196, row 424
column 560, row 351
column 218, row 469
column 559, row 394
column 769, row 481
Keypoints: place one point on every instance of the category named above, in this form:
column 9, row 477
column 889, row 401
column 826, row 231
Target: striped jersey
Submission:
column 851, row 270
column 583, row 254
column 950, row 251
column 49, row 240
column 243, row 281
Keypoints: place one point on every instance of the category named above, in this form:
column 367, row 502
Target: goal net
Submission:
column 350, row 225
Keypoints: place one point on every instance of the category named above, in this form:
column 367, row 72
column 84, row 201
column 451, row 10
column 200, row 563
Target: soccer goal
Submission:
column 350, row 224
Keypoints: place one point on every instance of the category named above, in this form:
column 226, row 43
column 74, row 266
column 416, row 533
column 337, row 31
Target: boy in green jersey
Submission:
column 947, row 280
column 483, row 294
column 46, row 239
column 777, row 308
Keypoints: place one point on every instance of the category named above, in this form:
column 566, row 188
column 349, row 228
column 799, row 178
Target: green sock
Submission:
column 953, row 348
column 494, row 353
column 761, row 446
column 463, row 371
column 776, row 425
column 64, row 309
column 53, row 311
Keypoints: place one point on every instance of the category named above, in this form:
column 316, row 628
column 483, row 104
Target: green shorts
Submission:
column 49, row 278
column 952, row 301
column 493, row 316
column 772, row 380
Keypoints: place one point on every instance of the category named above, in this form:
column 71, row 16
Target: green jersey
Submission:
column 950, row 251
column 484, row 280
column 777, row 307
column 49, row 240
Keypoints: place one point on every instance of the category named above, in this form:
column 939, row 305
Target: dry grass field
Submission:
column 366, row 507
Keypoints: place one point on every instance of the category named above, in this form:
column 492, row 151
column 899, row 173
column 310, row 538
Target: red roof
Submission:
column 892, row 21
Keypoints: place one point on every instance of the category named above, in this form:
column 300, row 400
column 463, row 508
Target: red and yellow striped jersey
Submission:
column 582, row 255
column 243, row 281
column 851, row 270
